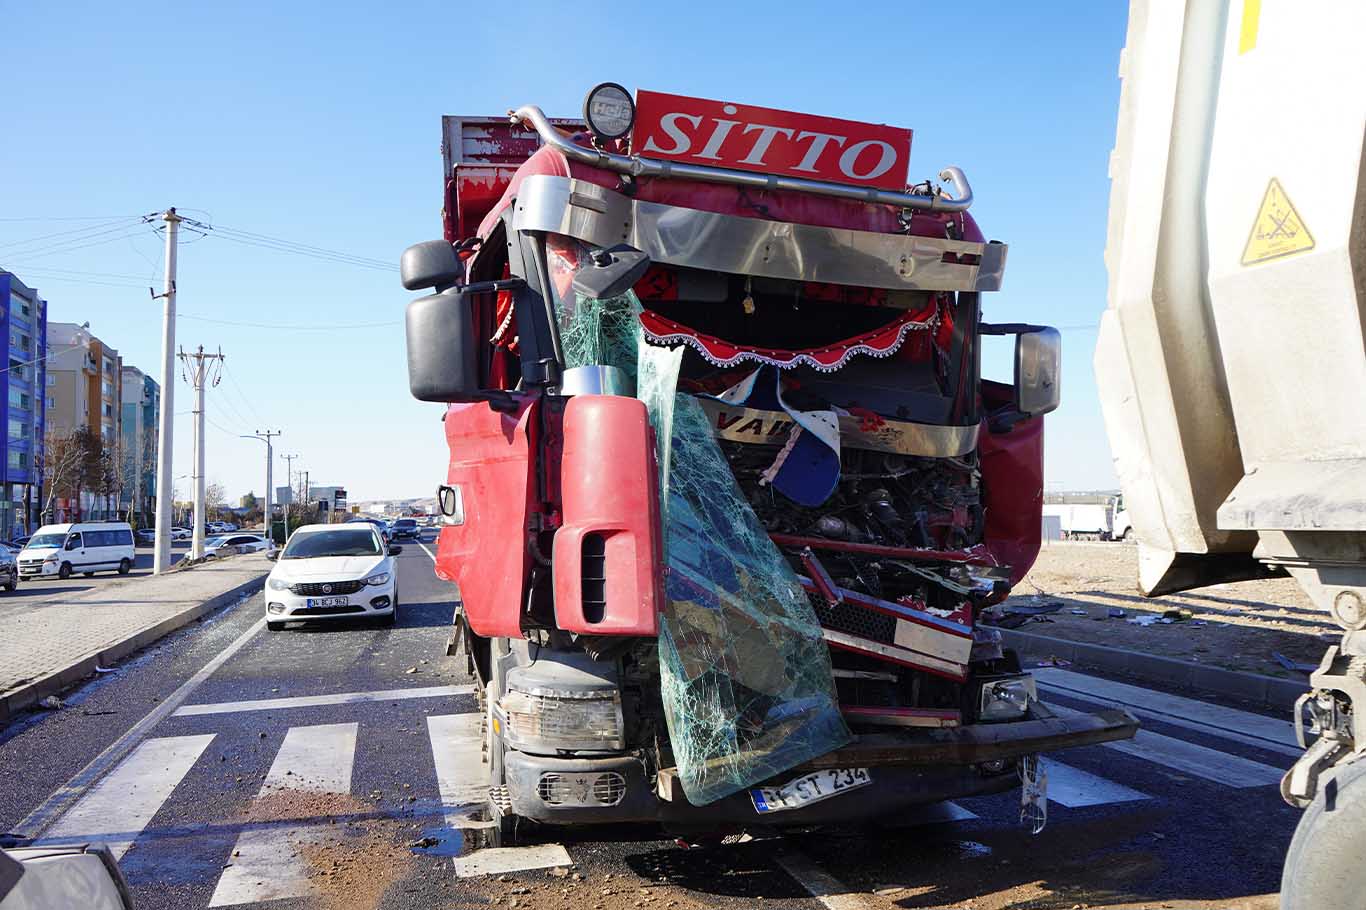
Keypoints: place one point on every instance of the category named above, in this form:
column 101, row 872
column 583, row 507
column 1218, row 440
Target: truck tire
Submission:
column 1323, row 866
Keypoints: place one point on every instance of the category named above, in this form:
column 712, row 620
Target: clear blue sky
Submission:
column 321, row 123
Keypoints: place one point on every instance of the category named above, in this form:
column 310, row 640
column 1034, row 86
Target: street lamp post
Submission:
column 266, row 436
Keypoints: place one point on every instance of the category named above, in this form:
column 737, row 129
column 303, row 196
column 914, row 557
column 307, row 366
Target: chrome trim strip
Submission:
column 760, row 427
column 753, row 246
column 637, row 166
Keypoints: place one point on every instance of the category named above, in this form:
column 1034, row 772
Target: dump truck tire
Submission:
column 1323, row 866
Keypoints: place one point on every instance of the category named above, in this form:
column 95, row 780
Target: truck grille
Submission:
column 855, row 620
column 606, row 789
column 324, row 588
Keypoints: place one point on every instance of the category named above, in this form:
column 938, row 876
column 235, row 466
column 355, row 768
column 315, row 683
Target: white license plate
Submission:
column 327, row 601
column 809, row 788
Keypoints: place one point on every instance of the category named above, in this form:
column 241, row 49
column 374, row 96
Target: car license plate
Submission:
column 809, row 788
column 327, row 601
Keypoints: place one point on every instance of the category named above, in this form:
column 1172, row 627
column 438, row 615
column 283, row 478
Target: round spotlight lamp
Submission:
column 609, row 111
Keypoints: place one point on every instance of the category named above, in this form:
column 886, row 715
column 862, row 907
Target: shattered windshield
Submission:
column 746, row 681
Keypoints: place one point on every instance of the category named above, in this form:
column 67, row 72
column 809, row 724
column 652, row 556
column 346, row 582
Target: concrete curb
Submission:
column 1251, row 688
column 30, row 693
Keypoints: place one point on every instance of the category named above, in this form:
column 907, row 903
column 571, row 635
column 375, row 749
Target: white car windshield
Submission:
column 47, row 540
column 341, row 542
column 215, row 541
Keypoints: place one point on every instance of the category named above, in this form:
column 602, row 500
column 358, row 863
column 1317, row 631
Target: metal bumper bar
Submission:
column 650, row 167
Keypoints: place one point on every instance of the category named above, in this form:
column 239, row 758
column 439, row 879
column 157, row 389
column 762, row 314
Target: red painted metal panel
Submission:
column 487, row 556
column 768, row 141
column 610, row 489
column 1012, row 486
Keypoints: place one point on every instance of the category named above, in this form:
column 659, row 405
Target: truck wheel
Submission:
column 13, row 584
column 1323, row 866
column 65, row 571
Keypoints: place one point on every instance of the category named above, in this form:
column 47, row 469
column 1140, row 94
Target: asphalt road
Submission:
column 236, row 798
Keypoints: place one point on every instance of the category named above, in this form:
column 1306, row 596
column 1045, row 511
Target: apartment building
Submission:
column 23, row 314
column 141, row 396
column 85, row 390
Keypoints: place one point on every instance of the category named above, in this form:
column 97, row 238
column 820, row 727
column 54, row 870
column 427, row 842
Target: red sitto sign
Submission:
column 741, row 136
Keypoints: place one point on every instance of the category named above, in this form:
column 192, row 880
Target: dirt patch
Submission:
column 355, row 867
column 289, row 805
column 558, row 889
column 1234, row 626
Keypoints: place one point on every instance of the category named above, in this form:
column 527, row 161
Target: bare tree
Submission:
column 214, row 499
column 61, row 465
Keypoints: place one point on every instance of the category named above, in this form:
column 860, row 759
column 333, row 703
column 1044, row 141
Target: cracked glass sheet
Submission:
column 744, row 671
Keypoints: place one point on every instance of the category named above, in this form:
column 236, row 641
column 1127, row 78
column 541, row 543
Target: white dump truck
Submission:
column 1230, row 358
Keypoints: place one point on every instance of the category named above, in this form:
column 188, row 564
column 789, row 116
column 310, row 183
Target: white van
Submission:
column 86, row 547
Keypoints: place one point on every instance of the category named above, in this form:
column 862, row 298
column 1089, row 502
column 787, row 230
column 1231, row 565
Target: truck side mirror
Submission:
column 443, row 347
column 610, row 272
column 430, row 264
column 1038, row 370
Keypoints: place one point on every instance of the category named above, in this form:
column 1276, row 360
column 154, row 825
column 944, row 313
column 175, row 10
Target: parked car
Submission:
column 404, row 527
column 59, row 876
column 87, row 547
column 228, row 544
column 181, row 533
column 145, row 535
column 380, row 525
column 333, row 572
column 19, row 542
column 9, row 569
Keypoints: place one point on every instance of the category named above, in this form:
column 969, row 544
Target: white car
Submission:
column 181, row 533
column 333, row 572
column 228, row 544
column 86, row 547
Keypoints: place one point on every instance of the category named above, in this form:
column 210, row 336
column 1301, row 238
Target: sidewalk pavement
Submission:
column 60, row 641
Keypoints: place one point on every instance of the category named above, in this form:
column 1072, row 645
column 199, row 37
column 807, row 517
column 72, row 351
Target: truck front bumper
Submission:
column 909, row 768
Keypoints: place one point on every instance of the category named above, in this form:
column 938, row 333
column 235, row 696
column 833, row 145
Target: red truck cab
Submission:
column 727, row 496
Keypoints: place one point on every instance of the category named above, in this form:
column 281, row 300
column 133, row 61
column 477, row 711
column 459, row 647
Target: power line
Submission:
column 304, row 248
column 68, row 217
column 329, row 327
column 90, row 230
column 232, row 381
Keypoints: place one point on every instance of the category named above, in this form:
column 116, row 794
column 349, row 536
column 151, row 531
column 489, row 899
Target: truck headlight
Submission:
column 551, row 720
column 1006, row 699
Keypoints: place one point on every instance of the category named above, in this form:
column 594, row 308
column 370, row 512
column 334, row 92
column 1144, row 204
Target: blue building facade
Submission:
column 23, row 404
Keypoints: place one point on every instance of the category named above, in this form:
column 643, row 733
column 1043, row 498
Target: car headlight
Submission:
column 1006, row 699
column 51, row 558
column 548, row 720
column 379, row 578
column 278, row 584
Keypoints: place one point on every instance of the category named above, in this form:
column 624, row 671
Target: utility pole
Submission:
column 198, row 375
column 289, row 485
column 305, row 488
column 162, row 560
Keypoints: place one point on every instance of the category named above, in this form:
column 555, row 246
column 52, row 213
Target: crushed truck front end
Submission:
column 728, row 498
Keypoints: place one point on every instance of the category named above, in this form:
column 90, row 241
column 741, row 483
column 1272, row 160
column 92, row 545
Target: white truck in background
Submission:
column 1088, row 517
column 1230, row 358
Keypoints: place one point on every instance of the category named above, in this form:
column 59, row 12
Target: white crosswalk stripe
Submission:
column 119, row 807
column 1270, row 733
column 1074, row 788
column 461, row 775
column 268, row 863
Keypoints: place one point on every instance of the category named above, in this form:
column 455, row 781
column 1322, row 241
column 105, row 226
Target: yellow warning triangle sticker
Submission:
column 1278, row 230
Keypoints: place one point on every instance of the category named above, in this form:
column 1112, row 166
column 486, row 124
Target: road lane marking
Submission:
column 461, row 775
column 316, row 758
column 266, row 863
column 1273, row 734
column 51, row 808
column 311, row 701
column 1201, row 761
column 427, row 551
column 117, row 810
column 266, row 866
column 1074, row 788
column 498, row 860
column 824, row 887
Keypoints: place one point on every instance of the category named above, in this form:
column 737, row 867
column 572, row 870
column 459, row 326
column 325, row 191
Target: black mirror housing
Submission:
column 395, row 550
column 443, row 347
column 430, row 264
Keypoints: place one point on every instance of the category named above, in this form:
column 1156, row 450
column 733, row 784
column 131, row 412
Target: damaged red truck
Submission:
column 727, row 495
